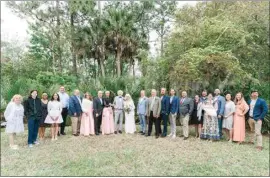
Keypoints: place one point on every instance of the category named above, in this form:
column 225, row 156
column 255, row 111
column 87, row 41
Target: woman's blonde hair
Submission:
column 16, row 96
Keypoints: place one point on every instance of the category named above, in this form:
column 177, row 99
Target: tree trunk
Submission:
column 118, row 64
column 74, row 60
column 133, row 66
column 102, row 68
column 58, row 37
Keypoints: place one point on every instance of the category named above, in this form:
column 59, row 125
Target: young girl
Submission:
column 54, row 116
column 14, row 116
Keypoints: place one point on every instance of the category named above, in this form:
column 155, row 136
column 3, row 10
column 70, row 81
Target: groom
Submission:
column 118, row 111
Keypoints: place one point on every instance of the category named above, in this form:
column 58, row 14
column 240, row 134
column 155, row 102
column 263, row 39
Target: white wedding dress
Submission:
column 130, row 126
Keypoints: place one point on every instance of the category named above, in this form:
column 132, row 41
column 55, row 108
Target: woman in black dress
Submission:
column 42, row 125
column 194, row 117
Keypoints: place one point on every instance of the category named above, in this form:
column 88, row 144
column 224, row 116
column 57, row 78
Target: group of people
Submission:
column 104, row 115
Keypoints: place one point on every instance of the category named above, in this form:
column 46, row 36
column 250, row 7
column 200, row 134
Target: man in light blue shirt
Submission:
column 64, row 99
column 141, row 111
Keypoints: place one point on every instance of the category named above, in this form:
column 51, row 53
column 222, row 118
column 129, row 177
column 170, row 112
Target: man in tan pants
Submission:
column 257, row 111
column 75, row 111
column 185, row 108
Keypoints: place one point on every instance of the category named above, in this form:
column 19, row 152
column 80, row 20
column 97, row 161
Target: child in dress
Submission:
column 54, row 116
column 14, row 116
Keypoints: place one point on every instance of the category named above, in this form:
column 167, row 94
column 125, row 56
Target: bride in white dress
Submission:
column 129, row 108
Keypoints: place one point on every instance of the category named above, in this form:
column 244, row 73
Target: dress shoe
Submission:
column 120, row 131
column 185, row 138
column 143, row 133
column 97, row 133
column 63, row 133
column 115, row 132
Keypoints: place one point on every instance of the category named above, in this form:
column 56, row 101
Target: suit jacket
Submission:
column 74, row 106
column 156, row 106
column 174, row 105
column 260, row 109
column 33, row 108
column 221, row 105
column 142, row 106
column 98, row 106
column 118, row 103
column 186, row 107
column 165, row 105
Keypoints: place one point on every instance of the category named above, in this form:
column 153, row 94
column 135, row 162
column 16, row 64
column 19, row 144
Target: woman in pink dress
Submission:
column 87, row 120
column 107, row 116
column 239, row 118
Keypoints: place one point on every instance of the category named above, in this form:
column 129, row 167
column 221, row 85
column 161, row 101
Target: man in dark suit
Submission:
column 75, row 111
column 98, row 105
column 165, row 110
column 185, row 109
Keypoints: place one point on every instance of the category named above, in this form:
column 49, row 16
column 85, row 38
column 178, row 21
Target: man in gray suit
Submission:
column 118, row 104
column 185, row 108
column 153, row 112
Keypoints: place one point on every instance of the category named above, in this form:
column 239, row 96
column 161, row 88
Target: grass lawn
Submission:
column 132, row 155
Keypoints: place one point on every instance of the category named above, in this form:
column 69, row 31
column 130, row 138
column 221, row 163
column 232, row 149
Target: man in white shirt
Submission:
column 64, row 98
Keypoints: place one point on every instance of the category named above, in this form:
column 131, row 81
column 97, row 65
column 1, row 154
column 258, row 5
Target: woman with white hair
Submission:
column 14, row 116
column 107, row 115
column 129, row 108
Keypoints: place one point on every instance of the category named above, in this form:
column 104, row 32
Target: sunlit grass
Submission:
column 132, row 155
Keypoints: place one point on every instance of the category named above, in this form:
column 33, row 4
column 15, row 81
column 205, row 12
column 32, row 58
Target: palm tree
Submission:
column 123, row 35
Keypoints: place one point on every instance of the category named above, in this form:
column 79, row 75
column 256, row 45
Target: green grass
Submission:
column 132, row 155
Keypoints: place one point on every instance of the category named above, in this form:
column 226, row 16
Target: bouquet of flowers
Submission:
column 127, row 108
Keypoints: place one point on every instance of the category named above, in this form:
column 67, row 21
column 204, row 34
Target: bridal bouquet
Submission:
column 127, row 108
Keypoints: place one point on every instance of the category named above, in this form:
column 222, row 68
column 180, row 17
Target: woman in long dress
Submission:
column 239, row 118
column 129, row 108
column 107, row 115
column 42, row 125
column 194, row 120
column 54, row 116
column 210, row 129
column 87, row 120
column 228, row 117
column 14, row 116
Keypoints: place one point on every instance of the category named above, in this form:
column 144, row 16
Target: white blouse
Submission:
column 86, row 105
column 54, row 108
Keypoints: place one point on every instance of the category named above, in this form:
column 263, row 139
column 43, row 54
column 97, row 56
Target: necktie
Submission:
column 181, row 102
column 35, row 109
